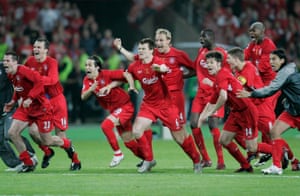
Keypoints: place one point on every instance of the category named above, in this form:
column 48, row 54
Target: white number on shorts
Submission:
column 63, row 122
column 248, row 131
column 47, row 125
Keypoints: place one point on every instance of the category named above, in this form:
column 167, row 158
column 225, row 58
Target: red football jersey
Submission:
column 226, row 81
column 28, row 84
column 259, row 55
column 154, row 86
column 250, row 79
column 200, row 66
column 117, row 96
column 174, row 59
column 48, row 69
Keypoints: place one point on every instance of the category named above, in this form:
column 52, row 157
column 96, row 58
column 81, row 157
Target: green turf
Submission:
column 172, row 175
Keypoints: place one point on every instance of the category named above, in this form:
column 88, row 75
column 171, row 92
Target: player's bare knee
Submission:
column 224, row 141
column 127, row 136
column 251, row 147
column 12, row 134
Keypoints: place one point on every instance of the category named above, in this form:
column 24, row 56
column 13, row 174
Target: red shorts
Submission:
column 245, row 121
column 199, row 104
column 266, row 117
column 167, row 113
column 44, row 122
column 177, row 98
column 60, row 112
column 124, row 114
column 293, row 121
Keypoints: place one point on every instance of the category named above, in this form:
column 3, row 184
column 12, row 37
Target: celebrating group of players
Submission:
column 247, row 81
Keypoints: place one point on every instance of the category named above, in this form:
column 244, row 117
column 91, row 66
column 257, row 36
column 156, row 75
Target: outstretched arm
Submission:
column 128, row 55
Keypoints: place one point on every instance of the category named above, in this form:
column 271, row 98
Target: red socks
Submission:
column 45, row 149
column 190, row 149
column 218, row 147
column 148, row 134
column 144, row 148
column 107, row 127
column 277, row 149
column 199, row 140
column 278, row 145
column 264, row 148
column 236, row 153
column 133, row 146
column 25, row 157
column 67, row 143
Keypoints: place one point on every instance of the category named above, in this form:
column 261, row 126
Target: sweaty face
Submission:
column 39, row 50
column 162, row 43
column 90, row 69
column 212, row 66
column 275, row 62
column 144, row 51
column 8, row 64
column 231, row 61
column 205, row 40
column 255, row 33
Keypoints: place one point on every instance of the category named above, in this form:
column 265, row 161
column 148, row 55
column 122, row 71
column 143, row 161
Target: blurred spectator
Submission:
column 47, row 19
column 30, row 11
column 25, row 50
column 3, row 45
column 140, row 8
column 114, row 60
column 87, row 42
column 106, row 44
column 32, row 30
column 70, row 77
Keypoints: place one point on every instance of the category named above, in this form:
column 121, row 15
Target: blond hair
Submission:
column 164, row 31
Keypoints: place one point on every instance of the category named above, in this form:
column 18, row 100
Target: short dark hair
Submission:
column 13, row 54
column 281, row 54
column 214, row 54
column 148, row 41
column 43, row 39
column 237, row 52
column 98, row 61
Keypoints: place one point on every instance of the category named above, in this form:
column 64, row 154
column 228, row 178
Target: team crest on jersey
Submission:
column 242, row 80
column 172, row 60
column 229, row 87
column 139, row 71
column 102, row 82
column 118, row 111
column 45, row 67
column 17, row 77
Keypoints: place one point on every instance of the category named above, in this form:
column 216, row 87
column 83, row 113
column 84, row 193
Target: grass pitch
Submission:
column 173, row 174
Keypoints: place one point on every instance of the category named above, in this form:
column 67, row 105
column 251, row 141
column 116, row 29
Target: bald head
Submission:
column 257, row 25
